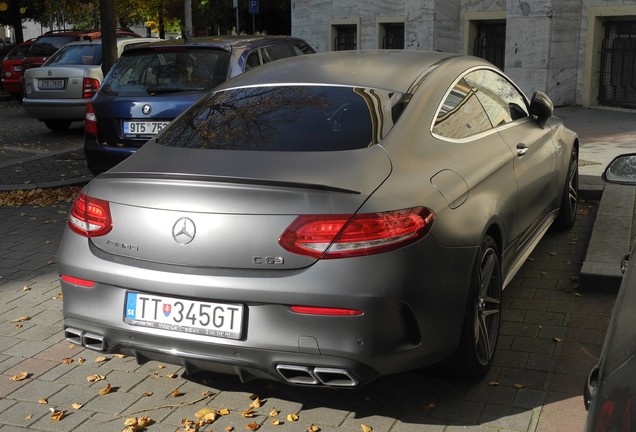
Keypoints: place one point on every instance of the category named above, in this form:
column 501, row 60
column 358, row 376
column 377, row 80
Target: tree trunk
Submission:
column 109, row 38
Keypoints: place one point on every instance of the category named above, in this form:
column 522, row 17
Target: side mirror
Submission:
column 622, row 170
column 542, row 107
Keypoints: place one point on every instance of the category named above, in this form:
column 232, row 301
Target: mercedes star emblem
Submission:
column 146, row 109
column 184, row 231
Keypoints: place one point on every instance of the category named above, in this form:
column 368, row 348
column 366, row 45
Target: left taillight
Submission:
column 90, row 120
column 89, row 87
column 342, row 235
column 90, row 217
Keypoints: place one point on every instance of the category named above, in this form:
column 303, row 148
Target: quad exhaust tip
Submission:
column 91, row 341
column 308, row 375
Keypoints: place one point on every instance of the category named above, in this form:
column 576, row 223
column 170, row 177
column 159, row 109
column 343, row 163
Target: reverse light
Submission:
column 90, row 217
column 345, row 235
column 311, row 310
column 77, row 281
column 89, row 87
column 90, row 120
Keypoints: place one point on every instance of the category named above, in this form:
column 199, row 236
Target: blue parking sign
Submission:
column 253, row 6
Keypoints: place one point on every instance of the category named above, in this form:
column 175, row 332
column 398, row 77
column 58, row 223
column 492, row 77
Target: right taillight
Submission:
column 346, row 235
column 90, row 217
column 90, row 120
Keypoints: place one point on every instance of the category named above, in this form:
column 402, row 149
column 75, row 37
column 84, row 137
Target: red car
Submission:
column 12, row 68
column 46, row 45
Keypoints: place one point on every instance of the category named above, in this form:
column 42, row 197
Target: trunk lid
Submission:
column 227, row 209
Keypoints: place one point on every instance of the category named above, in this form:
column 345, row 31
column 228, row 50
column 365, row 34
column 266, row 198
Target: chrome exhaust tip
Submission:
column 297, row 374
column 73, row 335
column 94, row 341
column 334, row 377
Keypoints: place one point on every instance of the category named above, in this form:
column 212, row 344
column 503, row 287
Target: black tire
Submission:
column 567, row 213
column 58, row 125
column 480, row 332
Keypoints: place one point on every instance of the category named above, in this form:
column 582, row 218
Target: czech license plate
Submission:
column 144, row 127
column 187, row 316
column 51, row 84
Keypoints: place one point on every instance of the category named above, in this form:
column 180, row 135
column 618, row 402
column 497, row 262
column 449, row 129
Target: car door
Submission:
column 534, row 151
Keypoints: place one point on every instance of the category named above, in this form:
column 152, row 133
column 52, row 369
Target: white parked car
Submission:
column 57, row 92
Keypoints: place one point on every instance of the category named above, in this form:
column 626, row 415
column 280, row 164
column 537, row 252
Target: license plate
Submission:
column 203, row 318
column 51, row 84
column 144, row 127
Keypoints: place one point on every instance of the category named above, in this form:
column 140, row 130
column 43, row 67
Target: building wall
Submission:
column 551, row 45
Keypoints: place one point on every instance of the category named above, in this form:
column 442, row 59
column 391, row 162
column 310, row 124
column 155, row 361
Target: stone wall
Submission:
column 551, row 45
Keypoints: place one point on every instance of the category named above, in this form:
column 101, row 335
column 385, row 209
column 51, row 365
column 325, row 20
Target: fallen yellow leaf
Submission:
column 81, row 360
column 292, row 417
column 95, row 378
column 176, row 393
column 274, row 413
column 248, row 413
column 76, row 405
column 252, row 426
column 313, row 428
column 172, row 375
column 276, row 422
column 101, row 359
column 19, row 377
column 21, row 319
column 256, row 403
column 519, row 386
column 224, row 411
column 105, row 390
column 67, row 360
column 43, row 401
column 57, row 415
column 365, row 428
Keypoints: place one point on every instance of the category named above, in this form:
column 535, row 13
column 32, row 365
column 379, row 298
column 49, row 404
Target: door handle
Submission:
column 521, row 149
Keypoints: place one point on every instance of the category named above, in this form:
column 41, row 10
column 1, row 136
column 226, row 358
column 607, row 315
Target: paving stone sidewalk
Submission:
column 551, row 336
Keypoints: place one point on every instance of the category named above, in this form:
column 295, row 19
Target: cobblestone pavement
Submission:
column 551, row 336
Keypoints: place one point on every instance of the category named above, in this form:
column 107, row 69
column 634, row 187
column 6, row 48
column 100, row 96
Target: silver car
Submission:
column 57, row 92
column 322, row 220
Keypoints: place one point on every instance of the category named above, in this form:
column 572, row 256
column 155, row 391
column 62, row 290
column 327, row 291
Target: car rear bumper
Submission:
column 100, row 158
column 407, row 322
column 12, row 86
column 55, row 109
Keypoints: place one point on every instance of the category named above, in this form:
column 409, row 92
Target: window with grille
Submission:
column 617, row 85
column 346, row 37
column 393, row 36
column 490, row 43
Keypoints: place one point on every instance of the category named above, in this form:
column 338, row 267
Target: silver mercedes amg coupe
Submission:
column 323, row 220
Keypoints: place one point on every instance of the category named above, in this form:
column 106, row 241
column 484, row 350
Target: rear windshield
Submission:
column 155, row 72
column 287, row 118
column 77, row 55
column 47, row 45
column 18, row 52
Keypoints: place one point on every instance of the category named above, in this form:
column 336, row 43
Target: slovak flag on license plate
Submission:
column 167, row 308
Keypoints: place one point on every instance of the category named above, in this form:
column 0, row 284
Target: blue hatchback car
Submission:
column 151, row 85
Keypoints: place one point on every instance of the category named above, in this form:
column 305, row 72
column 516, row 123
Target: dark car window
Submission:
column 501, row 100
column 77, row 55
column 152, row 72
column 18, row 52
column 47, row 45
column 286, row 118
column 461, row 115
column 253, row 60
column 277, row 52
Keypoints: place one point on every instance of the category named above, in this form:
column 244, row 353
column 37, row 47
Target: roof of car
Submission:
column 384, row 69
column 119, row 41
column 89, row 33
column 225, row 42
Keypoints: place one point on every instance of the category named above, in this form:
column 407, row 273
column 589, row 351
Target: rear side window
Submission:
column 153, row 72
column 461, row 115
column 289, row 118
